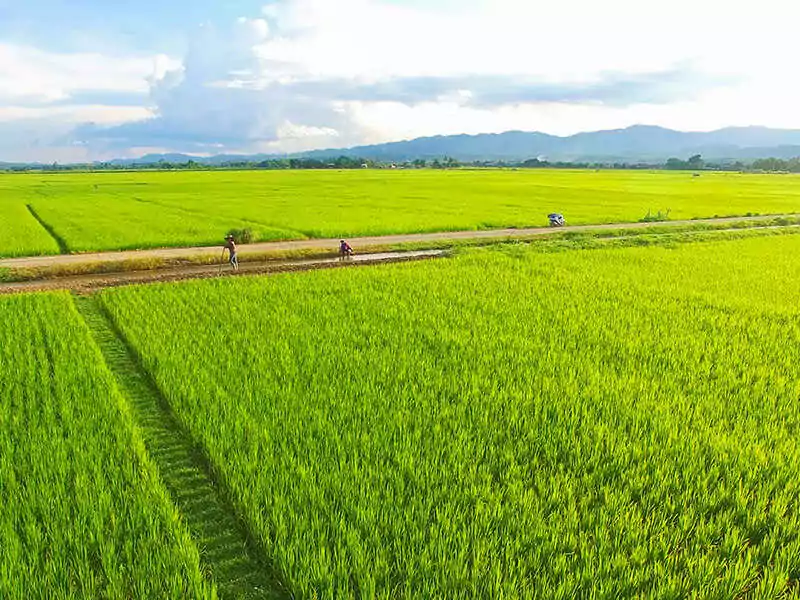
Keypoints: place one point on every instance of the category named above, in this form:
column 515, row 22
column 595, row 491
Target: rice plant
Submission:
column 108, row 211
column 509, row 423
column 82, row 511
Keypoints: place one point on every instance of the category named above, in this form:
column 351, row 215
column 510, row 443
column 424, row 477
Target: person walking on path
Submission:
column 230, row 246
column 345, row 250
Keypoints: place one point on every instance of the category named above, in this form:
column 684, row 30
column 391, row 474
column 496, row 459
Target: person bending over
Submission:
column 345, row 250
column 230, row 246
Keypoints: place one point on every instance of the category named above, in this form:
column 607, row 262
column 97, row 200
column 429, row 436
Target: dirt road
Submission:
column 96, row 281
column 331, row 245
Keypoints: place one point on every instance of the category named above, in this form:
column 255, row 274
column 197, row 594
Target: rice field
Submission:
column 83, row 513
column 20, row 233
column 110, row 211
column 509, row 423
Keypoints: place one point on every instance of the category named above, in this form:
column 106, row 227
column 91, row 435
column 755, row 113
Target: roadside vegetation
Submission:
column 514, row 422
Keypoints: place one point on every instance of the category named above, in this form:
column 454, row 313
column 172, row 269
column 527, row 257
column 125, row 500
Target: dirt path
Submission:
column 332, row 244
column 85, row 284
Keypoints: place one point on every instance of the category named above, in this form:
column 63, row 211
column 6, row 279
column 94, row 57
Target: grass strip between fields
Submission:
column 62, row 244
column 226, row 549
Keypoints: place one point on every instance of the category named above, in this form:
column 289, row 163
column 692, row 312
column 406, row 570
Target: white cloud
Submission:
column 312, row 73
column 36, row 76
column 570, row 42
column 44, row 95
column 218, row 99
column 373, row 40
column 44, row 134
column 75, row 114
column 289, row 130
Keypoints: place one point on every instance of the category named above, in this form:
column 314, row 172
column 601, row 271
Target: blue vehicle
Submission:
column 556, row 220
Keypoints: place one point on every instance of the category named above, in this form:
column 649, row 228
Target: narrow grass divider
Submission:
column 226, row 549
column 62, row 244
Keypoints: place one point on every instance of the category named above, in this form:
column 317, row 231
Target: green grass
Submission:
column 513, row 422
column 82, row 511
column 103, row 211
column 20, row 233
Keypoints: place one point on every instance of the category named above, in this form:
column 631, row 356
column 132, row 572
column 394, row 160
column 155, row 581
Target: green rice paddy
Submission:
column 110, row 211
column 515, row 423
column 560, row 420
column 83, row 513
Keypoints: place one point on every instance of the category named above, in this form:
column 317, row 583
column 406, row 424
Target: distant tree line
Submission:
column 770, row 165
column 791, row 165
column 693, row 163
column 537, row 163
column 341, row 162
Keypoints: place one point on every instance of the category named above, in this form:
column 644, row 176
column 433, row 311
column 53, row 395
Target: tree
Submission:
column 676, row 164
column 695, row 162
column 451, row 163
column 534, row 163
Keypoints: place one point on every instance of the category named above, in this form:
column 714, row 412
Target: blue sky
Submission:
column 84, row 80
column 85, row 25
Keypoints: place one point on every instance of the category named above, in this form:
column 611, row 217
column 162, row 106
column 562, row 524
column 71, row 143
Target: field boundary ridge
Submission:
column 63, row 247
column 227, row 552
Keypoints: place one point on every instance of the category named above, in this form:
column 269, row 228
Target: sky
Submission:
column 89, row 80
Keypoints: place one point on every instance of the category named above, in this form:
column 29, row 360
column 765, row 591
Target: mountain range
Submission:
column 640, row 143
column 637, row 143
